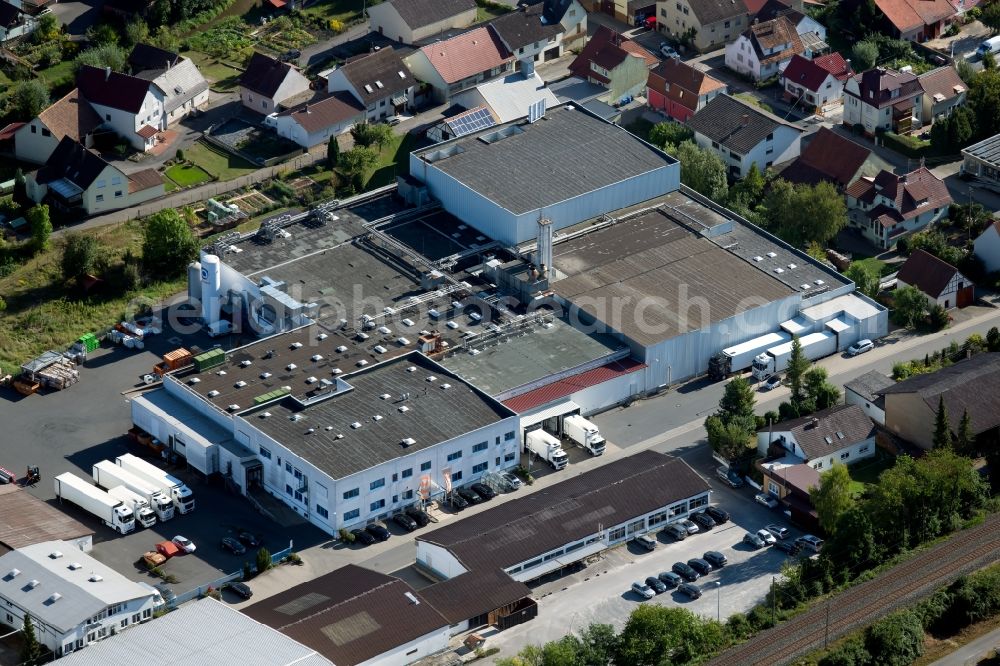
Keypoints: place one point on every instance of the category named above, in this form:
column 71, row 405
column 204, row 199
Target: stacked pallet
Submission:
column 59, row 375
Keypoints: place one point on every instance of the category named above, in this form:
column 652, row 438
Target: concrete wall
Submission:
column 438, row 559
column 907, row 415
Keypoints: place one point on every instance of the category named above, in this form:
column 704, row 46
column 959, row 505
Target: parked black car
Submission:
column 363, row 537
column 233, row 546
column 670, row 579
column 684, row 571
column 700, row 565
column 469, row 496
column 456, row 502
column 788, row 547
column 483, row 491
column 715, row 558
column 405, row 521
column 703, row 519
column 249, row 539
column 377, row 531
column 241, row 589
column 656, row 584
column 418, row 515
column 692, row 591
column 718, row 515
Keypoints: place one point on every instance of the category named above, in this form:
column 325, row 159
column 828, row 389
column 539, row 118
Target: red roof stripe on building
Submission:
column 570, row 385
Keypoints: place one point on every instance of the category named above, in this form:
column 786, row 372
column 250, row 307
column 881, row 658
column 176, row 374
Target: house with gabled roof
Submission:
column 70, row 116
column 380, row 81
column 866, row 392
column 938, row 280
column 883, row 99
column 792, row 11
column 712, row 22
column 816, row 85
column 131, row 107
column 267, row 85
column 842, row 434
column 542, row 31
column 184, row 88
column 889, row 207
column 14, row 22
column 616, row 62
column 987, row 246
column 944, row 91
column 764, row 49
column 461, row 62
column 833, row 158
column 916, row 20
column 313, row 123
column 679, row 90
column 410, row 21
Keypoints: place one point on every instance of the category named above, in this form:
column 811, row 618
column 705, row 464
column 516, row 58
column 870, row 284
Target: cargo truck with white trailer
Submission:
column 174, row 488
column 775, row 359
column 112, row 511
column 109, row 475
column 140, row 507
column 739, row 357
column 546, row 447
column 584, row 433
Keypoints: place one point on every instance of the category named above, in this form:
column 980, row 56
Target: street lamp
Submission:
column 718, row 601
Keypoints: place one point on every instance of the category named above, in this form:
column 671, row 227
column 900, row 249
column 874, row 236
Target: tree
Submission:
column 263, row 560
column 47, row 28
column 79, row 255
column 942, row 428
column 168, row 244
column 136, row 32
column 737, row 401
column 864, row 54
column 730, row 440
column 814, row 213
column 832, row 498
column 965, row 442
column 669, row 133
column 938, row 317
column 819, row 391
column 333, row 152
column 702, row 171
column 990, row 16
column 659, row 635
column 852, row 546
column 370, row 134
column 896, row 640
column 40, row 225
column 31, row 649
column 27, row 98
column 910, row 305
column 984, row 100
column 598, row 644
column 102, row 34
column 865, row 277
column 966, row 71
column 106, row 55
column 993, row 339
column 989, row 61
column 355, row 162
column 798, row 364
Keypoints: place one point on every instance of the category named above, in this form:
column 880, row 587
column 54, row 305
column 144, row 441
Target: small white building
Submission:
column 410, row 21
column 987, row 247
column 841, row 434
column 313, row 123
column 184, row 88
column 73, row 599
column 267, row 85
column 510, row 97
column 70, row 116
column 866, row 392
column 764, row 49
column 939, row 281
column 130, row 106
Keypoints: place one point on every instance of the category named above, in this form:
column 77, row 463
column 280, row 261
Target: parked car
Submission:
column 810, row 543
column 715, row 558
column 772, row 382
column 646, row 541
column 291, row 54
column 483, row 491
column 184, row 544
column 684, row 571
column 766, row 537
column 670, row 579
column 677, row 531
column 788, row 547
column 393, row 120
column 405, row 521
column 700, row 565
column 241, row 589
column 730, row 476
column 655, row 584
column 691, row 527
column 719, row 515
column 703, row 519
column 233, row 546
column 753, row 540
column 860, row 347
column 643, row 590
column 778, row 531
column 377, row 531
column 418, row 515
column 692, row 591
column 249, row 539
column 457, row 502
column 469, row 496
column 511, row 480
column 363, row 537
column 667, row 51
column 766, row 499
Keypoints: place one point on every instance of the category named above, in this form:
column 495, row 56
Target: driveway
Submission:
column 79, row 15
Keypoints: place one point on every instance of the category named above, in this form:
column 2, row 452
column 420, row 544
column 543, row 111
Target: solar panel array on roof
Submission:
column 472, row 121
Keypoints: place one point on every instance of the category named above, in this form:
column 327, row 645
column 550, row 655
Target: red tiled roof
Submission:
column 607, row 49
column 277, row 4
column 146, row 131
column 466, row 55
column 829, row 156
column 8, row 131
column 804, row 72
column 906, row 192
column 681, row 82
column 906, row 15
column 636, row 50
column 836, row 65
column 570, row 385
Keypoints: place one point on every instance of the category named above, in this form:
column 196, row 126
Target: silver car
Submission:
column 689, row 525
column 778, row 531
column 643, row 590
column 860, row 347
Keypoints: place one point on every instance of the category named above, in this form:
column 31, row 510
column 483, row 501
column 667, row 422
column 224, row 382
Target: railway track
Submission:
column 862, row 604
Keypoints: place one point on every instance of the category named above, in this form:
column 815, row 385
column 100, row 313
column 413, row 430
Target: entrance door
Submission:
column 255, row 476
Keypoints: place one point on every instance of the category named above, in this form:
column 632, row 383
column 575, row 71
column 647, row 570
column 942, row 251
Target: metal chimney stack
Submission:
column 544, row 248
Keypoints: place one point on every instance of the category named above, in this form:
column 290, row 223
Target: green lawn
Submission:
column 393, row 160
column 221, row 77
column 867, row 472
column 876, row 265
column 489, row 10
column 752, row 100
column 58, row 75
column 336, row 10
column 217, row 163
column 186, row 175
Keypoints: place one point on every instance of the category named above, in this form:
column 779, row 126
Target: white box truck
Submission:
column 174, row 488
column 775, row 359
column 739, row 357
column 112, row 511
column 991, row 45
column 140, row 507
column 584, row 433
column 546, row 447
column 109, row 475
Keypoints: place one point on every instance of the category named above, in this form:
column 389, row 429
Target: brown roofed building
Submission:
column 71, row 116
column 712, row 22
column 889, row 207
column 944, row 91
column 840, row 434
column 764, row 49
column 834, row 158
column 916, row 20
column 542, row 31
column 267, row 84
column 381, row 82
column 680, row 90
column 816, row 85
column 314, row 122
column 868, row 95
column 410, row 21
column 25, row 520
column 461, row 62
column 940, row 282
column 615, row 62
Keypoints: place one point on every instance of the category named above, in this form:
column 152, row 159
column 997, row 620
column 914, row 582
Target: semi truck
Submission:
column 739, row 357
column 775, row 359
column 584, row 433
column 172, row 487
column 140, row 507
column 112, row 511
column 546, row 447
column 109, row 475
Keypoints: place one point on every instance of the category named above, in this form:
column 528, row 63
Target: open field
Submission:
column 336, row 10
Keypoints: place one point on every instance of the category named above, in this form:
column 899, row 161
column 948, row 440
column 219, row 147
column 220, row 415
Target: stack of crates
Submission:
column 209, row 359
column 89, row 342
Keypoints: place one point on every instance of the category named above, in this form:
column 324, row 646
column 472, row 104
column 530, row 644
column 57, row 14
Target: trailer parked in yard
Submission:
column 584, row 433
column 112, row 511
column 109, row 475
column 775, row 359
column 739, row 357
column 174, row 488
column 546, row 447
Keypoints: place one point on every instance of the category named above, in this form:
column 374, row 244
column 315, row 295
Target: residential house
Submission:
column 883, row 100
column 129, row 106
column 268, row 84
column 615, row 62
column 712, row 23
column 14, row 22
column 510, row 97
column 944, row 91
column 679, row 90
column 76, row 179
column 72, row 598
column 815, row 85
column 839, row 434
column 381, row 82
column 542, row 31
column 461, row 62
column 70, row 117
column 789, row 481
column 831, row 157
column 889, row 207
column 939, row 281
column 410, row 21
column 916, row 20
column 184, row 88
column 793, row 11
column 981, row 163
column 987, row 247
column 866, row 392
column 764, row 49
column 971, row 385
column 313, row 123
column 743, row 135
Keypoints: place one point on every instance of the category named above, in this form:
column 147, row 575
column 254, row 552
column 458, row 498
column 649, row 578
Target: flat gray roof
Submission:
column 434, row 414
column 987, row 150
column 567, row 153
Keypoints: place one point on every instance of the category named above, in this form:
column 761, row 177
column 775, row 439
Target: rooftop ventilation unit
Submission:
column 33, row 583
column 385, row 330
column 54, row 597
column 73, row 566
column 55, row 554
column 446, row 386
column 290, row 367
column 803, row 286
column 339, row 436
column 402, row 341
column 792, row 267
column 385, row 396
column 336, row 371
column 409, row 441
column 432, row 378
column 265, row 415
column 316, row 358
column 246, row 363
column 310, row 431
column 213, row 393
column 95, row 578
column 379, row 84
column 286, row 389
column 452, row 325
column 434, row 313
column 341, row 349
column 240, row 384
column 840, row 435
column 295, row 345
column 407, row 322
column 194, row 380
column 13, row 573
column 779, row 270
column 362, row 336
column 362, row 363
column 772, row 255
column 819, row 282
column 233, row 407
column 322, row 336
column 295, row 417
column 221, row 373
column 380, row 349
column 412, row 368
column 311, row 380
column 356, row 425
column 403, row 409
column 828, row 439
column 265, row 375
column 377, row 417
column 758, row 258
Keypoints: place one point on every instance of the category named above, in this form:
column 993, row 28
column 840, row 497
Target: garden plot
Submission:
column 252, row 203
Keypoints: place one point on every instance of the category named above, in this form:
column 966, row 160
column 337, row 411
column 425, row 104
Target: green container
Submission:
column 209, row 359
column 89, row 342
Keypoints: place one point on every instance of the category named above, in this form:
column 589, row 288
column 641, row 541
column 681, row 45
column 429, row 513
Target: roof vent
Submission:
column 403, row 409
column 407, row 322
column 339, row 436
column 402, row 341
column 295, row 345
column 310, row 431
column 413, row 599
column 758, row 258
column 380, row 349
column 336, row 371
column 95, row 578
column 265, row 415
column 412, row 368
column 328, row 428
column 221, row 373
column 212, row 393
column 13, row 573
column 432, row 378
column 362, row 363
column 409, row 441
column 819, row 282
column 779, row 270
column 385, row 330
column 311, row 380
column 377, row 417
column 316, row 357
column 401, row 74
column 290, row 367
column 322, row 336
column 246, row 363
column 233, row 407
column 804, row 286
column 194, row 380
column 772, row 255
column 379, row 84
column 55, row 554
column 54, row 597
column 356, row 425
column 240, row 384
column 341, row 349
column 33, row 583
column 446, row 386
column 362, row 335
column 73, row 566
column 265, row 375
column 792, row 266
column 828, row 439
column 295, row 417
column 385, row 396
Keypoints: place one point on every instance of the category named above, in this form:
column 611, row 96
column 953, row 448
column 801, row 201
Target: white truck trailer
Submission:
column 775, row 359
column 546, row 447
column 109, row 475
column 584, row 433
column 112, row 511
column 174, row 488
column 739, row 357
column 140, row 507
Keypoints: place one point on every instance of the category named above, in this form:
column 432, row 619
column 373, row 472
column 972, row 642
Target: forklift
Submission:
column 32, row 476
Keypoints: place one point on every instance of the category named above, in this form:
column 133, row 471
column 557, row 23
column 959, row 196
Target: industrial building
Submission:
column 26, row 520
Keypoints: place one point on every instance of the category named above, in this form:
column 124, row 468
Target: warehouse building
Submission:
column 27, row 520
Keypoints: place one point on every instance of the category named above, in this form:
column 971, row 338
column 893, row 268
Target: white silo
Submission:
column 211, row 284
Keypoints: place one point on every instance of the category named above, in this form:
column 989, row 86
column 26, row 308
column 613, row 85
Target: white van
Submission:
column 991, row 45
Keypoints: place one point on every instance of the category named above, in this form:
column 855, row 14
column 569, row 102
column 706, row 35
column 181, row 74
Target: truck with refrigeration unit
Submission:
column 112, row 511
column 140, row 507
column 584, row 433
column 109, row 475
column 546, row 447
column 775, row 359
column 739, row 357
column 174, row 488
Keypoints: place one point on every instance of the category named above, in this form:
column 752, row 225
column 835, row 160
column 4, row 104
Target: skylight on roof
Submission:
column 379, row 84
column 401, row 74
column 368, row 88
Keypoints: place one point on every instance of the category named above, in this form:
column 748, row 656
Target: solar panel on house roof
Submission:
column 473, row 121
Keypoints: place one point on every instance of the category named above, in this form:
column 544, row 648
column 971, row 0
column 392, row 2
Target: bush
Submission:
column 896, row 640
column 180, row 155
column 938, row 317
column 294, row 558
column 851, row 653
column 263, row 560
column 905, row 145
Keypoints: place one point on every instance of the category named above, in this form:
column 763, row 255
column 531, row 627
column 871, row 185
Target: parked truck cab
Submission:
column 546, row 447
column 584, row 433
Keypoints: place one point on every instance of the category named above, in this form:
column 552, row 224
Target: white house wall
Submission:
column 409, row 652
column 988, row 249
column 125, row 124
column 34, row 146
column 438, row 559
column 874, row 413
